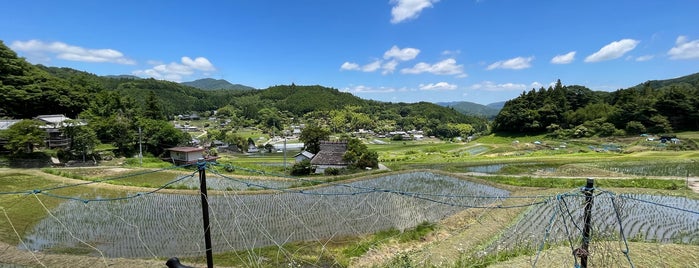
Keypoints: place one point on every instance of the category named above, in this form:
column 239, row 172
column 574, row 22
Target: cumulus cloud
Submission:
column 408, row 9
column 389, row 66
column 445, row 67
column 176, row 71
column 200, row 63
column 564, row 59
column 349, row 66
column 438, row 86
column 517, row 63
column 684, row 49
column 69, row 52
column 491, row 86
column 613, row 50
column 392, row 58
column 404, row 54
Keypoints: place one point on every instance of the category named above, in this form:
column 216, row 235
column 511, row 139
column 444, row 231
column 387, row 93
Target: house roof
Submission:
column 306, row 154
column 53, row 118
column 328, row 158
column 186, row 149
column 331, row 153
column 5, row 124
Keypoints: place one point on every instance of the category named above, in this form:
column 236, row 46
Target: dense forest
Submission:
column 115, row 107
column 657, row 107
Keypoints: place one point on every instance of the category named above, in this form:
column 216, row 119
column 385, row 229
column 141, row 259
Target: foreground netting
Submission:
column 170, row 224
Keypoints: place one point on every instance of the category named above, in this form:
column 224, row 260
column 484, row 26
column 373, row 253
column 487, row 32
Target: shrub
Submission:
column 301, row 168
column 332, row 171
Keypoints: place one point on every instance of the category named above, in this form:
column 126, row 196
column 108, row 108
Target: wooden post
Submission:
column 584, row 251
column 201, row 164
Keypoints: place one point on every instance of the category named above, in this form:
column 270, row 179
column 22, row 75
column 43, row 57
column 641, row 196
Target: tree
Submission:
column 83, row 138
column 159, row 135
column 635, row 127
column 23, row 136
column 359, row 156
column 153, row 109
column 311, row 136
column 301, row 168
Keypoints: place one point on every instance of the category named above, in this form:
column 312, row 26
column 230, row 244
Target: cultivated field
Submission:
column 501, row 201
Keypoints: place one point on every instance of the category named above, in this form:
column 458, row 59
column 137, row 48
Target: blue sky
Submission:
column 481, row 51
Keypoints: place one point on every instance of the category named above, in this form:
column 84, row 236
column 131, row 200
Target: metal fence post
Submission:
column 201, row 165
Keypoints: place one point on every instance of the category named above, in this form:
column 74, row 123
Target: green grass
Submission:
column 23, row 210
column 658, row 184
column 334, row 253
column 137, row 177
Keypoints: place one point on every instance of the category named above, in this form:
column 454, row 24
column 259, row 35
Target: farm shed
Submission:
column 186, row 155
column 330, row 156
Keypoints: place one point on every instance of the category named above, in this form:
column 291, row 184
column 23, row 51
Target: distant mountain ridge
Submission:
column 472, row 108
column 212, row 84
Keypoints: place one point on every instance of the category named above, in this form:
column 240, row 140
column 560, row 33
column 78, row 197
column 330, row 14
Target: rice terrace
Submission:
column 441, row 206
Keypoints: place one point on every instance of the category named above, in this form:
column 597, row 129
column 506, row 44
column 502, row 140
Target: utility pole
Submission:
column 584, row 250
column 201, row 165
column 140, row 148
column 284, row 154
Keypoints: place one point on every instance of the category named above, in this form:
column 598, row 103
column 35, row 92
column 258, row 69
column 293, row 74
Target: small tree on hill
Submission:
column 23, row 136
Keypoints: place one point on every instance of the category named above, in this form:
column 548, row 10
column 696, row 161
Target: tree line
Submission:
column 657, row 107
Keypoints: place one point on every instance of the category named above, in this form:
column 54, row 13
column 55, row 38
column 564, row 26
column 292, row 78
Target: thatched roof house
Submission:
column 330, row 156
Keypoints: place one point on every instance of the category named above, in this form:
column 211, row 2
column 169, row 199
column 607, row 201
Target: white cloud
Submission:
column 451, row 53
column 445, row 67
column 564, row 59
column 392, row 58
column 200, row 63
column 517, row 63
column 645, row 58
column 349, row 66
column 71, row 53
column 372, row 66
column 491, row 86
column 366, row 89
column 684, row 49
column 389, row 66
column 613, row 50
column 408, row 9
column 404, row 54
column 176, row 71
column 438, row 86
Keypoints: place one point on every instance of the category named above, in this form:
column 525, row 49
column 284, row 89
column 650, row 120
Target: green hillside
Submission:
column 210, row 83
column 471, row 108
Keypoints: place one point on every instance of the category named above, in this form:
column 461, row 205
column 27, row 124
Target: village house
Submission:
column 53, row 127
column 188, row 155
column 330, row 156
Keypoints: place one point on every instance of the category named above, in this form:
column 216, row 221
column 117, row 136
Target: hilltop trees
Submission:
column 575, row 111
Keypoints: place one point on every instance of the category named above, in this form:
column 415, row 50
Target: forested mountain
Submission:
column 471, row 108
column 654, row 106
column 497, row 105
column 31, row 90
column 210, row 83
